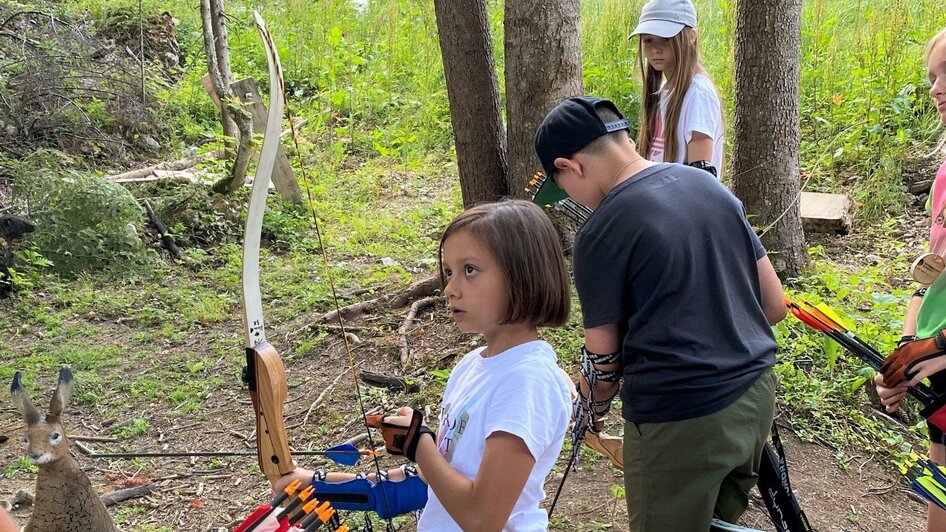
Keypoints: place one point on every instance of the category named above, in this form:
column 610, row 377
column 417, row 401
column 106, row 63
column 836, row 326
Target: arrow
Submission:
column 819, row 318
column 344, row 454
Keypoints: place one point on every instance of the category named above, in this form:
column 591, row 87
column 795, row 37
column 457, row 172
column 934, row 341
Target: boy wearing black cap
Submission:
column 678, row 296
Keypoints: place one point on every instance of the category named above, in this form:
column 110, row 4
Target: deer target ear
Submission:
column 63, row 393
column 30, row 415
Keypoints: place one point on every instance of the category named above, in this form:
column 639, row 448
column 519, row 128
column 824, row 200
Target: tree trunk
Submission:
column 230, row 105
column 473, row 92
column 543, row 67
column 767, row 130
column 221, row 48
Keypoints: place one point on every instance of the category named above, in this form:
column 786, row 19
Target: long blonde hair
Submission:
column 686, row 64
column 926, row 59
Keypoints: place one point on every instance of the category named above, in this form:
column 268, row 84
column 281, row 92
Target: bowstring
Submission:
column 338, row 313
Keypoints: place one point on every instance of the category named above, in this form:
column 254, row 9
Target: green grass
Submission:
column 378, row 161
column 23, row 465
column 371, row 84
column 824, row 389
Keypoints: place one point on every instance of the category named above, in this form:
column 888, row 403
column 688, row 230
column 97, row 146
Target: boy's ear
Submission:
column 561, row 163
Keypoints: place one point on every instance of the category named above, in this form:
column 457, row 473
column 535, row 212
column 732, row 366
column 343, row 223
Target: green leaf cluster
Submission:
column 84, row 222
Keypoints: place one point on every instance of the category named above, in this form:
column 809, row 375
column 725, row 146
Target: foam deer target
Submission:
column 65, row 500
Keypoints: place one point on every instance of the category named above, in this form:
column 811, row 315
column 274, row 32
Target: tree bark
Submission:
column 218, row 22
column 767, row 126
column 229, row 103
column 473, row 92
column 543, row 67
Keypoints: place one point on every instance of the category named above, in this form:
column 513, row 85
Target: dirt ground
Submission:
column 213, row 494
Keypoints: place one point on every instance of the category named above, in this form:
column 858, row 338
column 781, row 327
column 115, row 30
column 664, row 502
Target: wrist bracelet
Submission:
column 907, row 338
column 920, row 292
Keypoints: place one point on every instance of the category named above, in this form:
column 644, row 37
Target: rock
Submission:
column 22, row 499
column 148, row 142
column 388, row 261
column 920, row 187
column 873, row 260
column 825, row 213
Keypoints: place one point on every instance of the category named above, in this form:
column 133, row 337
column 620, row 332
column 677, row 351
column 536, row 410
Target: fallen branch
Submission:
column 166, row 239
column 389, row 381
column 174, row 166
column 84, row 448
column 18, row 36
column 100, row 439
column 402, row 344
column 423, row 288
column 117, row 496
column 321, row 397
column 355, row 440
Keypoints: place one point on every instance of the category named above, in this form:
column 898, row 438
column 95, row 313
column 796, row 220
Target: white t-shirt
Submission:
column 701, row 112
column 520, row 391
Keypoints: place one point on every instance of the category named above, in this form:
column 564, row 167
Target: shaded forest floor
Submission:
column 158, row 368
column 213, row 494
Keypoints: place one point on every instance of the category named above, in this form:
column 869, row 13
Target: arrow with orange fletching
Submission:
column 823, row 319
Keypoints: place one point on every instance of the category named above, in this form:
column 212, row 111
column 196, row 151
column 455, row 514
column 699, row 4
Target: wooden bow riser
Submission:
column 268, row 391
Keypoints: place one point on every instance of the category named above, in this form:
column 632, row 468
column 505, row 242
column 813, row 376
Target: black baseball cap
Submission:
column 569, row 127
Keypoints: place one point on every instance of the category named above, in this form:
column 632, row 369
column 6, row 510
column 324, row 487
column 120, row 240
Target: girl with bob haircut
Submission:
column 681, row 116
column 507, row 404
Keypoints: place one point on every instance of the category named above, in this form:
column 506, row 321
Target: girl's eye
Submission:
column 447, row 273
column 470, row 270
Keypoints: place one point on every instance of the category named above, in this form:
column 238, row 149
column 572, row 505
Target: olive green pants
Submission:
column 677, row 475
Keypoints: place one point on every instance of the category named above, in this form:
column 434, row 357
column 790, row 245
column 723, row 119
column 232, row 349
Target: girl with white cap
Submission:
column 681, row 118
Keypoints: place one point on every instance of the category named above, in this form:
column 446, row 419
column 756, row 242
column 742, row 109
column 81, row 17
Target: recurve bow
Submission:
column 264, row 373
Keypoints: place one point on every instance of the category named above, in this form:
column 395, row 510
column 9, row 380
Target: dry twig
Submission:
column 423, row 288
column 403, row 346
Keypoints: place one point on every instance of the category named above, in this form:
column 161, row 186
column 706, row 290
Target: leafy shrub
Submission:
column 84, row 222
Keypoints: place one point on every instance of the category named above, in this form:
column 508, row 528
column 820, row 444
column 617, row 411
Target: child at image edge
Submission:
column 926, row 313
column 507, row 405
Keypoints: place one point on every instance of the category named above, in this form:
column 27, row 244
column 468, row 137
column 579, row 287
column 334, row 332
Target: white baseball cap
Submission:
column 665, row 18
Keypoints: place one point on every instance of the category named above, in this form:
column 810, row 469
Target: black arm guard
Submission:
column 704, row 165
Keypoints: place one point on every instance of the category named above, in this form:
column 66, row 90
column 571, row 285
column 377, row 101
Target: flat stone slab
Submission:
column 825, row 213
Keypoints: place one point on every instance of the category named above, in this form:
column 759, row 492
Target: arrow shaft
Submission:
column 217, row 453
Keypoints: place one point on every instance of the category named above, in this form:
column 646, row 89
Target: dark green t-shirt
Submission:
column 671, row 259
